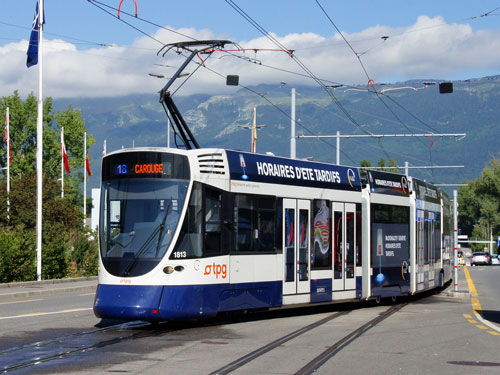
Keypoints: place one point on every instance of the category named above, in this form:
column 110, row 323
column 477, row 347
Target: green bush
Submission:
column 17, row 254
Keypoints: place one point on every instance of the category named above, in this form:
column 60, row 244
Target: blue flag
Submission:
column 34, row 39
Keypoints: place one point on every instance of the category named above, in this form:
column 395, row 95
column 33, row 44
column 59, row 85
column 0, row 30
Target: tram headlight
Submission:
column 168, row 270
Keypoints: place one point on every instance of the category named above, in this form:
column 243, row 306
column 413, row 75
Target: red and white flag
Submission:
column 87, row 165
column 7, row 135
column 65, row 157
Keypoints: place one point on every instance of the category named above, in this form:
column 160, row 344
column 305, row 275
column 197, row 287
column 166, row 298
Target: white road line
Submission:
column 488, row 323
column 44, row 313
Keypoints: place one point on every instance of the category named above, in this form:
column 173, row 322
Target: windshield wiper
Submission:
column 162, row 227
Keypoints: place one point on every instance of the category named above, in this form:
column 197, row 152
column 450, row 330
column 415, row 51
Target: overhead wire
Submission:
column 358, row 56
column 281, row 47
column 306, row 69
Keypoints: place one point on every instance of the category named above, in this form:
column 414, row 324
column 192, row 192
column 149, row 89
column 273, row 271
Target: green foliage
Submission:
column 479, row 205
column 84, row 256
column 64, row 237
column 365, row 163
column 17, row 254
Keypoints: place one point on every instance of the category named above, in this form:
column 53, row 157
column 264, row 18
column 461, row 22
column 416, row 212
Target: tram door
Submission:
column 430, row 224
column 296, row 235
column 420, row 246
column 344, row 246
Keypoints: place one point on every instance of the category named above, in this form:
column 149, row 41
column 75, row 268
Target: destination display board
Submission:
column 388, row 183
column 263, row 168
column 145, row 164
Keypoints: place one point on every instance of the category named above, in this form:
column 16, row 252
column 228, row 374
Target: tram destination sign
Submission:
column 275, row 170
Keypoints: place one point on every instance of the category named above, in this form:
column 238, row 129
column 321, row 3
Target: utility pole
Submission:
column 292, row 136
column 455, row 236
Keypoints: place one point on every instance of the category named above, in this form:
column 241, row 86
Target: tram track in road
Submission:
column 313, row 365
column 322, row 358
column 32, row 354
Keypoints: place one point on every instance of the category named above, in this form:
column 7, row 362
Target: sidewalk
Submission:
column 46, row 287
column 462, row 291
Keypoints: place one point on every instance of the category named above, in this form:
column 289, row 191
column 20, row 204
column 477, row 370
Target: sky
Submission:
column 90, row 53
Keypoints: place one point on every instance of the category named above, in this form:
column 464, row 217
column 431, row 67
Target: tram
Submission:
column 196, row 232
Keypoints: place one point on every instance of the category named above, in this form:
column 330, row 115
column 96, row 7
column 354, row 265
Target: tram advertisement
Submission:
column 388, row 183
column 390, row 259
column 262, row 168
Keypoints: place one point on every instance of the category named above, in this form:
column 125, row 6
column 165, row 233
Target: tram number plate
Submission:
column 179, row 254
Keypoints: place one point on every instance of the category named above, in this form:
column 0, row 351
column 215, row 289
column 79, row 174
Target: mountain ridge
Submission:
column 472, row 108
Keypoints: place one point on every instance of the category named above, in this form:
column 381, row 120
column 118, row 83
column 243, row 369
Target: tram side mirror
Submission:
column 446, row 87
column 232, row 80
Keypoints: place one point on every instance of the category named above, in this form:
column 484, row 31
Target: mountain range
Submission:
column 411, row 107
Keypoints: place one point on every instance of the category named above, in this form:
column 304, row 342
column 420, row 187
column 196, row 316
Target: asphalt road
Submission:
column 436, row 334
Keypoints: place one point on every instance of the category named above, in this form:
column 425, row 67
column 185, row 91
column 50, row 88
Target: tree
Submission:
column 23, row 124
column 381, row 164
column 393, row 166
column 479, row 203
column 62, row 230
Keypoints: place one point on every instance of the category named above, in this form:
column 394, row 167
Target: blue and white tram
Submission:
column 191, row 233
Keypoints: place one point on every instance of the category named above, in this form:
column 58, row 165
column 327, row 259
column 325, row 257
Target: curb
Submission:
column 43, row 287
column 45, row 282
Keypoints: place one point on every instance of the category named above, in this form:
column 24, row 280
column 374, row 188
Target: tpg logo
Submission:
column 216, row 269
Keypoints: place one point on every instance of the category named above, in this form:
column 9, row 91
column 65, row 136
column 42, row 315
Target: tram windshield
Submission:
column 142, row 196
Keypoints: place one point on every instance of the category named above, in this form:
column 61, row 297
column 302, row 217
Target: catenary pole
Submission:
column 62, row 162
column 455, row 236
column 39, row 148
column 292, row 136
column 7, row 127
column 84, row 178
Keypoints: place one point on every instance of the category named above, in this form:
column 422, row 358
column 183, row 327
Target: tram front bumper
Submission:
column 128, row 302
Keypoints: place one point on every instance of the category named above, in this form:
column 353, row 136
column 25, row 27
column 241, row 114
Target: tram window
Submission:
column 254, row 224
column 202, row 231
column 321, row 255
column 359, row 239
column 212, row 222
column 190, row 244
column 437, row 237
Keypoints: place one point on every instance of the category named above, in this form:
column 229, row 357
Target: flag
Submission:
column 87, row 165
column 7, row 136
column 104, row 149
column 65, row 157
column 34, row 40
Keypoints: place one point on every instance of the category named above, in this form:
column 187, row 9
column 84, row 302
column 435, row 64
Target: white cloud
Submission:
column 428, row 49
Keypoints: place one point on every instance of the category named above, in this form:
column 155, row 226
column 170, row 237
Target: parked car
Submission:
column 480, row 257
column 495, row 260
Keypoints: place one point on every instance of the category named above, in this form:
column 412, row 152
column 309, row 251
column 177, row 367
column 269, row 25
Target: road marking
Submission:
column 472, row 287
column 472, row 321
column 476, row 307
column 26, row 301
column 44, row 313
column 86, row 294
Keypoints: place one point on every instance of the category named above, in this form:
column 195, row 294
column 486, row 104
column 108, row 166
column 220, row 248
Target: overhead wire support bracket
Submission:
column 195, row 47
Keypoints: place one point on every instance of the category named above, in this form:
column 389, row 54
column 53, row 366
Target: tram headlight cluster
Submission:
column 169, row 269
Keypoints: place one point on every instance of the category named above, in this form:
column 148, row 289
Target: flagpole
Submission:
column 7, row 115
column 39, row 148
column 62, row 162
column 84, row 178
